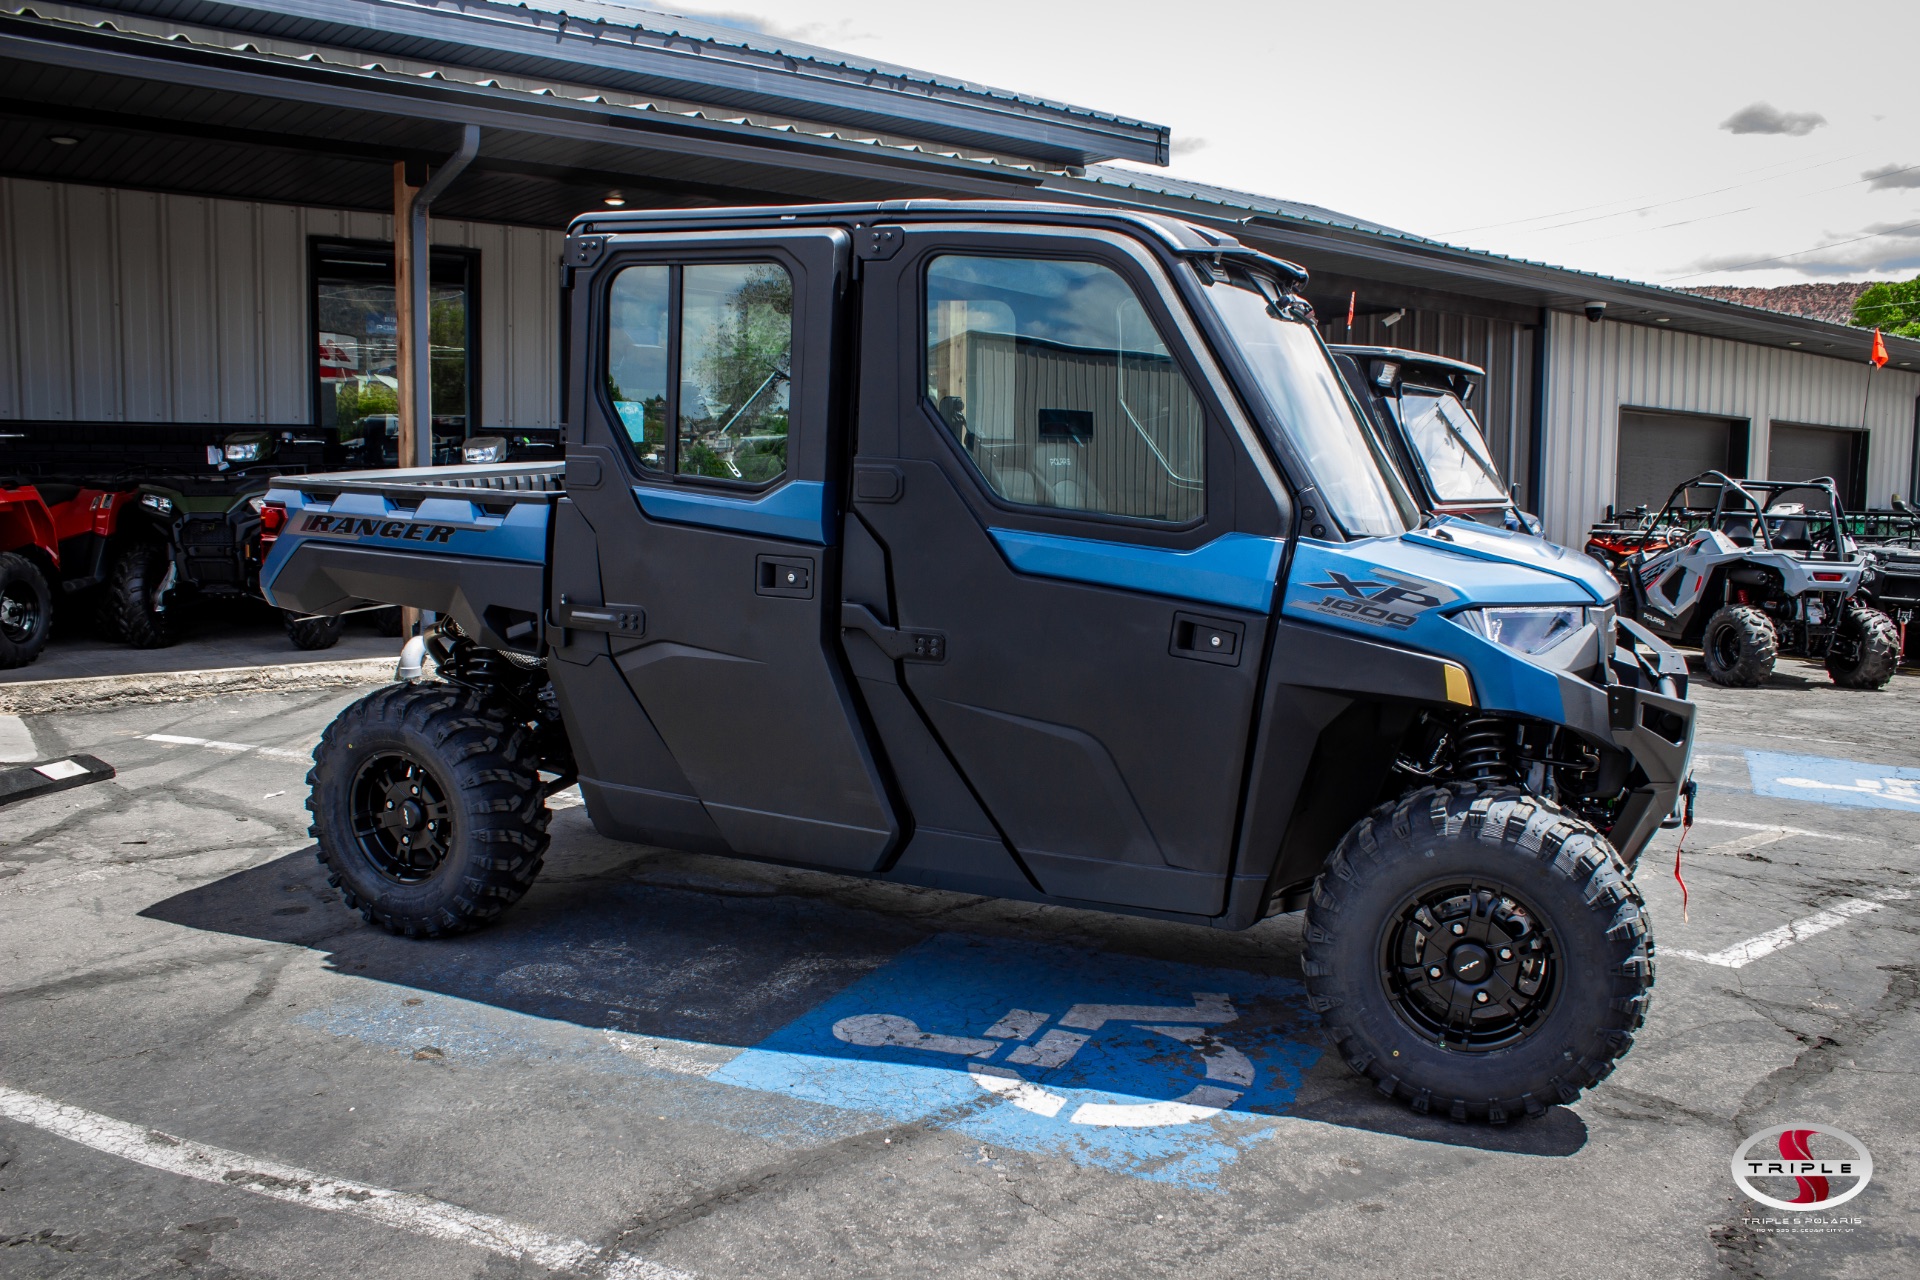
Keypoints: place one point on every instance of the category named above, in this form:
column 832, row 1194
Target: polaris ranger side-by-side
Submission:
column 1021, row 550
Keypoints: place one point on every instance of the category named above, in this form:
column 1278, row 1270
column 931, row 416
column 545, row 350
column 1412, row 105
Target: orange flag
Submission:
column 1879, row 357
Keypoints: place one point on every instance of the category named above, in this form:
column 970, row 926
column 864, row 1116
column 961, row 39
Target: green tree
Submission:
column 1891, row 307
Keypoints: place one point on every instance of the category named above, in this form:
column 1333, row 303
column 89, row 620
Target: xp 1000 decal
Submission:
column 1378, row 597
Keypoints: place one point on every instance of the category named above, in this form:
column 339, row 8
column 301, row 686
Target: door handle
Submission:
column 1207, row 639
column 902, row 644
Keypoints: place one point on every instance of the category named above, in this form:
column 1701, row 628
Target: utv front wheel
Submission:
column 428, row 809
column 313, row 633
column 1478, row 953
column 1865, row 649
column 1739, row 646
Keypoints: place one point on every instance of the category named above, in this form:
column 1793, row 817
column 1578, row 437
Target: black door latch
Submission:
column 1206, row 639
column 902, row 644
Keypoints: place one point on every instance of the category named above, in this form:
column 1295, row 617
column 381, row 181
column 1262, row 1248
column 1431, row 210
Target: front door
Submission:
column 695, row 556
column 1076, row 553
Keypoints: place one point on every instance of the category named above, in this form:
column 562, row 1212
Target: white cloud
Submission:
column 1892, row 176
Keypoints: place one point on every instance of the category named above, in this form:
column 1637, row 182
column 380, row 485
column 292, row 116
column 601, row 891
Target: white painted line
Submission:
column 683, row 1057
column 402, row 1210
column 16, row 741
column 214, row 744
column 1741, row 954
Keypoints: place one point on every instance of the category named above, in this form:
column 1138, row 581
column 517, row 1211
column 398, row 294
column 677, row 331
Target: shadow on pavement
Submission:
column 853, row 1008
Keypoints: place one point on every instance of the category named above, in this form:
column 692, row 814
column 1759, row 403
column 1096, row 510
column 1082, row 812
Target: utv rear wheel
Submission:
column 1865, row 649
column 1739, row 646
column 428, row 809
column 313, row 633
column 141, row 603
column 26, row 610
column 1478, row 953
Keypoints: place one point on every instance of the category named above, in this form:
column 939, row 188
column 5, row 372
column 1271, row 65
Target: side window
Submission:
column 1053, row 378
column 707, row 348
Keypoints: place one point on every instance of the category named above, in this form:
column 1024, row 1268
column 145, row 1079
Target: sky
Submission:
column 1685, row 143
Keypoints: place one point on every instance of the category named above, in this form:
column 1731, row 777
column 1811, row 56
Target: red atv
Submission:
column 50, row 534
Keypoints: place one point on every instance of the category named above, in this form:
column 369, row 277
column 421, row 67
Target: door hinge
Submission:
column 583, row 251
column 876, row 244
column 902, row 644
column 619, row 619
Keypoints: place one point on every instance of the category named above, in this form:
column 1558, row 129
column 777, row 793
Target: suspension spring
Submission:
column 1480, row 751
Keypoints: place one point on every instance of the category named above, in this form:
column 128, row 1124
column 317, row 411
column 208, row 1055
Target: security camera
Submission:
column 1595, row 310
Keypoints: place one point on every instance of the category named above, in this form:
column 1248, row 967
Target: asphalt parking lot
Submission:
column 208, row 1067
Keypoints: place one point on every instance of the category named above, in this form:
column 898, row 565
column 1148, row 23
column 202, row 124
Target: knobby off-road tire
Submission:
column 471, row 843
column 137, row 611
column 26, row 610
column 1478, row 888
column 1739, row 646
column 1865, row 649
column 313, row 633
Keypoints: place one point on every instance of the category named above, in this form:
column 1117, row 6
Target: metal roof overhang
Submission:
column 1401, row 270
column 541, row 43
column 185, row 118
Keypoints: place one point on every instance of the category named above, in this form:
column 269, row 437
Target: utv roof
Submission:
column 1404, row 356
column 1175, row 234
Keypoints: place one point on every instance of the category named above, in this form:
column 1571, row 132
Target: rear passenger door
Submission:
column 1074, row 553
column 695, row 555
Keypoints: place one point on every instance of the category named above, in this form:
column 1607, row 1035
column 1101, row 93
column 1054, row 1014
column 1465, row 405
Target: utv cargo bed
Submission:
column 465, row 541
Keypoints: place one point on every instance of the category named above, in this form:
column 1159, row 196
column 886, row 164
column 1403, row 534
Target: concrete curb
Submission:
column 86, row 693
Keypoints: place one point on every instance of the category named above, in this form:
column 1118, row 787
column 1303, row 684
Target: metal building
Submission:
column 197, row 200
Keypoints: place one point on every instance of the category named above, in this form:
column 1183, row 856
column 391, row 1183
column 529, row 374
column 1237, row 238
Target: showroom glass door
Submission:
column 355, row 325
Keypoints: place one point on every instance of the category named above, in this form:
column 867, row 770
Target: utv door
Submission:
column 695, row 594
column 1073, row 553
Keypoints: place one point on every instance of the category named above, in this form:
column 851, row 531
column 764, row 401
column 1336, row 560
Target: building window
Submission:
column 356, row 328
column 1053, row 378
column 707, row 347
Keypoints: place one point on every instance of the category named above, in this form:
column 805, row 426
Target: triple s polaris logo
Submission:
column 1826, row 1167
column 1378, row 598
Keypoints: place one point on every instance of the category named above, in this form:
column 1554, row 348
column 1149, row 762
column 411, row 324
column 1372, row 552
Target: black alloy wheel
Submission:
column 1470, row 966
column 402, row 823
column 26, row 610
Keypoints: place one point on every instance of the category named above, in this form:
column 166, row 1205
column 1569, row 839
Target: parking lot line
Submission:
column 1741, row 954
column 215, row 744
column 403, row 1210
column 16, row 742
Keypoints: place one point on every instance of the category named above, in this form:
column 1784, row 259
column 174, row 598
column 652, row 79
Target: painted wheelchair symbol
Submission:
column 1227, row 1069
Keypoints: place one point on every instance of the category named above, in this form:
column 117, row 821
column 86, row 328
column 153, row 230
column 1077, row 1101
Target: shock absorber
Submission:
column 1480, row 751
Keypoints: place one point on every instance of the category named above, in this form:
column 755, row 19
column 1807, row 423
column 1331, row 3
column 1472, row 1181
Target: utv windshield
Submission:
column 1449, row 446
column 1359, row 487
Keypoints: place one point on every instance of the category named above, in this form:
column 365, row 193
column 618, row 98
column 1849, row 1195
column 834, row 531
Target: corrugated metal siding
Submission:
column 127, row 306
column 1502, row 348
column 1593, row 370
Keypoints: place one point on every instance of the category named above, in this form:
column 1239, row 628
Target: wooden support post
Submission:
column 404, row 363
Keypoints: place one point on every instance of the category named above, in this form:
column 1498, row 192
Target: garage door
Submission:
column 1798, row 452
column 1659, row 450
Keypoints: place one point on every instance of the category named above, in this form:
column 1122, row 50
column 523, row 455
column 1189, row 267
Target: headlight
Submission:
column 157, row 502
column 484, row 449
column 1526, row 629
column 246, row 451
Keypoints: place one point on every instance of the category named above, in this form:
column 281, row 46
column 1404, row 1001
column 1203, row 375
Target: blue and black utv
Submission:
column 1020, row 550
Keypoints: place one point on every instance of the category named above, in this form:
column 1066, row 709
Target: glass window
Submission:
column 356, row 347
column 735, row 371
column 1320, row 424
column 1053, row 378
column 1450, row 447
column 709, row 348
column 637, row 323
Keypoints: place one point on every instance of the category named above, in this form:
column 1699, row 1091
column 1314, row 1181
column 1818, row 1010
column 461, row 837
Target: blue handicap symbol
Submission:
column 1155, row 1069
column 1838, row 782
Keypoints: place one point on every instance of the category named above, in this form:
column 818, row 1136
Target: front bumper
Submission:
column 1644, row 712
